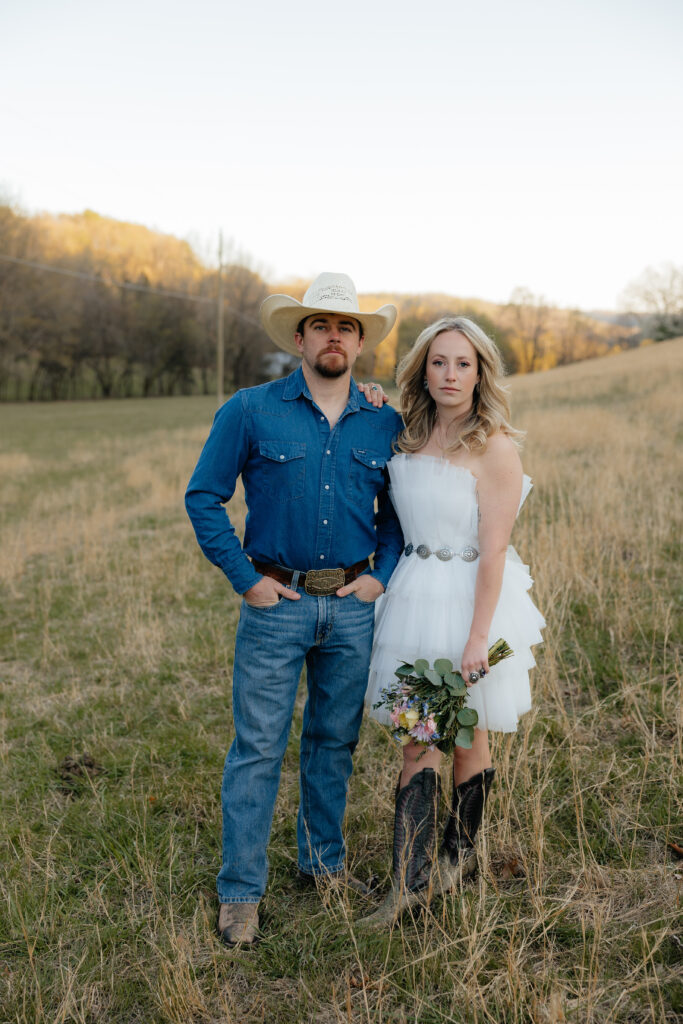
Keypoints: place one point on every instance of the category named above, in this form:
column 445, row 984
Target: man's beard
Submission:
column 331, row 370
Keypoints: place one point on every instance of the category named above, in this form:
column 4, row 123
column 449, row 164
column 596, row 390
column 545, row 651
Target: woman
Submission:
column 457, row 485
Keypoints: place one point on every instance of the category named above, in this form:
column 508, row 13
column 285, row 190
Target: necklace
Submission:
column 440, row 435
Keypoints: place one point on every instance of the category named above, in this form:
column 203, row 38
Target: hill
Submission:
column 94, row 307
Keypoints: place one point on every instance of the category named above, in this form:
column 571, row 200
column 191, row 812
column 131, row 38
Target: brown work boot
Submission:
column 238, row 924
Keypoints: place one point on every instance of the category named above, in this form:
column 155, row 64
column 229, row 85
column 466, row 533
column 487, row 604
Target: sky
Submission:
column 419, row 147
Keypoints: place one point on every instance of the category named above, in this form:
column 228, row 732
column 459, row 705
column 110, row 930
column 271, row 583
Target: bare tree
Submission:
column 656, row 298
column 527, row 320
column 246, row 342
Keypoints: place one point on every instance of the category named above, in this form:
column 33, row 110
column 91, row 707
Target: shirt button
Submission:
column 322, row 558
column 322, row 417
column 282, row 457
column 328, row 452
column 373, row 462
column 327, row 487
column 324, row 522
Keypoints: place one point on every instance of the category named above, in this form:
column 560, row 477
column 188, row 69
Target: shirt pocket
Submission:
column 366, row 477
column 282, row 470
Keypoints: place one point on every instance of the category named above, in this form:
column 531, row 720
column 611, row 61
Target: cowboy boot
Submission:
column 414, row 850
column 458, row 858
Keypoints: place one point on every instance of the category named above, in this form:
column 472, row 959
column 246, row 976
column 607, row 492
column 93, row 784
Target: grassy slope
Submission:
column 116, row 640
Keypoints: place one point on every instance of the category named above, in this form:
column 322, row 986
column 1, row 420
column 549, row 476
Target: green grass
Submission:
column 116, row 642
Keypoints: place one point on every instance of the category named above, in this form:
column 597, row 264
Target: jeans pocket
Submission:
column 262, row 607
column 359, row 600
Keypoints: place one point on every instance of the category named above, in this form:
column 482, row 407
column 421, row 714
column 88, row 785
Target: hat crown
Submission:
column 281, row 315
column 335, row 292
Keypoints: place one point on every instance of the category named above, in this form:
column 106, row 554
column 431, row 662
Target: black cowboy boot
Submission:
column 458, row 857
column 415, row 821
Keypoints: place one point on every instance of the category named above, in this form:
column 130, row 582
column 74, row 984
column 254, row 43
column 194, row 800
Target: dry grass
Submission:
column 116, row 640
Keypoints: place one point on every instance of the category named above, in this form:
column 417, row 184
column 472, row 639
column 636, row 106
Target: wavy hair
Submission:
column 490, row 410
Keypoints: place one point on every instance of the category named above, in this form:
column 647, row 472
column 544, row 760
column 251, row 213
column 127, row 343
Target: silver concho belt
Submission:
column 468, row 553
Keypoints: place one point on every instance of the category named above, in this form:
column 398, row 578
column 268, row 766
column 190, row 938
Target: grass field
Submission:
column 116, row 641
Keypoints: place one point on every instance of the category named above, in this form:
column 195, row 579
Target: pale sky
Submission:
column 433, row 146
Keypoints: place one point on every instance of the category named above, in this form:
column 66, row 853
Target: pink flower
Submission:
column 423, row 731
column 397, row 711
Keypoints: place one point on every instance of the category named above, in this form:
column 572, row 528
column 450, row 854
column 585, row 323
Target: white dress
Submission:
column 427, row 609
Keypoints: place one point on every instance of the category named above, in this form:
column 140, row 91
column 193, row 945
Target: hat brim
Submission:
column 281, row 314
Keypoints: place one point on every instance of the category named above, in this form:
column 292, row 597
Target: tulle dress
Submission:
column 426, row 611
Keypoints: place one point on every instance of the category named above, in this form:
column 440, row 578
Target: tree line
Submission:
column 92, row 307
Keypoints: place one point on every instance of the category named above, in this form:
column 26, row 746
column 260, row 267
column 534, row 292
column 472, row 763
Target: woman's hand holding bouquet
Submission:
column 427, row 705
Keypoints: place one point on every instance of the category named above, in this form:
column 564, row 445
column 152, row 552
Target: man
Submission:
column 311, row 452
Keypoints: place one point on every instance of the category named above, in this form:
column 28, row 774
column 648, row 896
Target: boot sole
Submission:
column 445, row 878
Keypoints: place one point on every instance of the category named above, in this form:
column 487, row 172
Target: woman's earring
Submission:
column 425, row 384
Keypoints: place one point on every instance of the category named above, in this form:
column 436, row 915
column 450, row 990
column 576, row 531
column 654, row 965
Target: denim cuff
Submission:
column 245, row 578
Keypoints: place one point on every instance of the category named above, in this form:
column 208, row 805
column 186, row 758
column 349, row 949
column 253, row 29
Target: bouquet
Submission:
column 427, row 705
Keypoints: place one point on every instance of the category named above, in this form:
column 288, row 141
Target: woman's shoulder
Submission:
column 501, row 446
column 501, row 458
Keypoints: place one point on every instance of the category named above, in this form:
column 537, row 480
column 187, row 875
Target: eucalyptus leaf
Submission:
column 420, row 666
column 457, row 687
column 433, row 677
column 443, row 665
column 468, row 716
column 464, row 737
column 404, row 670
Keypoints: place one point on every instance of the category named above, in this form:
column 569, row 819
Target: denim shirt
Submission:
column 310, row 491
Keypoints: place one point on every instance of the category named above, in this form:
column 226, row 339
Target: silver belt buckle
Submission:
column 323, row 582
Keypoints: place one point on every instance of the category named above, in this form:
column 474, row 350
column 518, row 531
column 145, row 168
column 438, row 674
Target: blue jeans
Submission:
column 333, row 635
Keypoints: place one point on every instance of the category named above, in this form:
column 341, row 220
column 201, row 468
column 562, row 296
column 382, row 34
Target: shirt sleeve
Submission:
column 213, row 484
column 389, row 533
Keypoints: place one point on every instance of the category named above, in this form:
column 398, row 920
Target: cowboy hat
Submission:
column 329, row 293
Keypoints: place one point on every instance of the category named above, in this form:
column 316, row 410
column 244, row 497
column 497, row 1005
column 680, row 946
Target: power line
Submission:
column 126, row 285
column 129, row 285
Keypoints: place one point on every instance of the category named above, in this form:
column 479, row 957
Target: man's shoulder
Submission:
column 385, row 416
column 270, row 390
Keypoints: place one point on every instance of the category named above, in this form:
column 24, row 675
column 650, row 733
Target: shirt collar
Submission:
column 295, row 385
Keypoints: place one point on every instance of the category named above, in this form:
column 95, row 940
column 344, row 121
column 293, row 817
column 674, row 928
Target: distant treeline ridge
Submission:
column 92, row 307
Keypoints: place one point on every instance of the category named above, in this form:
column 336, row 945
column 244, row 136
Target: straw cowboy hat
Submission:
column 329, row 293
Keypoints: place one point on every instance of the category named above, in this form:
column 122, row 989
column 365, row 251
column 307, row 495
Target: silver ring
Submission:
column 473, row 677
column 374, row 388
column 482, row 672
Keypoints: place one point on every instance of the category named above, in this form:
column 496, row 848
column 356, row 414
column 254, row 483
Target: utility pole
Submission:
column 220, row 354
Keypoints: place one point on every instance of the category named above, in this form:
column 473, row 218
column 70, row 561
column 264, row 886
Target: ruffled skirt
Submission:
column 426, row 612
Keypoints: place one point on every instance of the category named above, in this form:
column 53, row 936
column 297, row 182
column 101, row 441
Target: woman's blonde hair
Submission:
column 490, row 410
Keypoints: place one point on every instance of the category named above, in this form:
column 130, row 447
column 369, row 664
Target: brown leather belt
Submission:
column 317, row 582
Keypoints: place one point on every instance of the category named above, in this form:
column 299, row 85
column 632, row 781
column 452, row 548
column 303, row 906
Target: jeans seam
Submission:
column 303, row 768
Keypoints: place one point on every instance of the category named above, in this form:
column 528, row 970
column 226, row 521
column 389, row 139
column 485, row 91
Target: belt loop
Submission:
column 294, row 582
